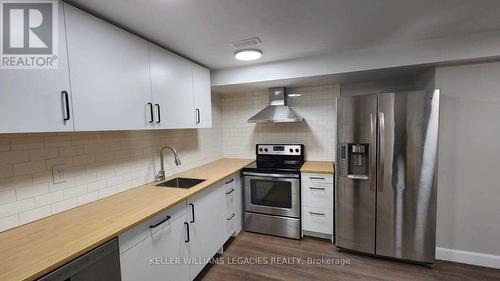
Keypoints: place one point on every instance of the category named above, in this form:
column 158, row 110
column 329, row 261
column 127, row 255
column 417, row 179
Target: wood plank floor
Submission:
column 251, row 245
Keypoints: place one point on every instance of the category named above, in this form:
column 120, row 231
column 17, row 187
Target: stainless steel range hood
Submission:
column 277, row 110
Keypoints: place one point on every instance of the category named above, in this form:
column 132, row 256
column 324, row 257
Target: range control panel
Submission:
column 279, row 149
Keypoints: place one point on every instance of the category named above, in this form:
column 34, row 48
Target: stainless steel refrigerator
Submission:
column 387, row 148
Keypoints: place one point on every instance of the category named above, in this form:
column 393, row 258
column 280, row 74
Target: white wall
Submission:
column 469, row 158
column 97, row 165
column 452, row 49
column 316, row 104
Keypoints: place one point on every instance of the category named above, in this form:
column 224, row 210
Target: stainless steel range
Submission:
column 272, row 190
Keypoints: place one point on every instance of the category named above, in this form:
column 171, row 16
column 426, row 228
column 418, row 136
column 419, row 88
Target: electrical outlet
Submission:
column 58, row 174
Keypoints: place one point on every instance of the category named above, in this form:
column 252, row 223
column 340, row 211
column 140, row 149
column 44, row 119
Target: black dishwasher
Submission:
column 102, row 263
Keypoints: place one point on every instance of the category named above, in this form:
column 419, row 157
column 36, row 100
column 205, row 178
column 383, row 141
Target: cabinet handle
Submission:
column 198, row 118
column 316, row 188
column 67, row 115
column 230, row 191
column 231, row 217
column 230, row 181
column 159, row 113
column 155, row 225
column 192, row 211
column 315, row 213
column 151, row 118
column 316, row 178
column 187, row 232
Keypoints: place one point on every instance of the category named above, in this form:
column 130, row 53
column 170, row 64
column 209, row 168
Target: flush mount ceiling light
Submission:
column 248, row 49
column 248, row 54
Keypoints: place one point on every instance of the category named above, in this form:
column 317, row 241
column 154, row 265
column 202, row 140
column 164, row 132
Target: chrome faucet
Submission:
column 161, row 174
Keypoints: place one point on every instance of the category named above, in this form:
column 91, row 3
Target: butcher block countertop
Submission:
column 322, row 167
column 35, row 249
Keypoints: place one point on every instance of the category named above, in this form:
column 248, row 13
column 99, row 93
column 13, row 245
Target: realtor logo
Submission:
column 29, row 34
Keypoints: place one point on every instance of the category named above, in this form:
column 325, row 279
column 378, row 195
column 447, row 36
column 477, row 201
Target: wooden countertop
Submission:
column 322, row 167
column 32, row 250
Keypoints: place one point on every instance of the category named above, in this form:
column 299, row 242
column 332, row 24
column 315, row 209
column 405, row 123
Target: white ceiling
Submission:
column 203, row 30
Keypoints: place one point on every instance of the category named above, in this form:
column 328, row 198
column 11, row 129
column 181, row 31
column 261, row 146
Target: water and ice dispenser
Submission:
column 354, row 160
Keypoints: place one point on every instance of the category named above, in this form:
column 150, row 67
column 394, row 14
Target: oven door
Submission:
column 275, row 194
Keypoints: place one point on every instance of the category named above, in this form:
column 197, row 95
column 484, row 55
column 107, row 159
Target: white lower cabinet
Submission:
column 234, row 205
column 317, row 205
column 179, row 242
column 238, row 205
column 178, row 248
column 318, row 220
column 206, row 226
column 156, row 249
column 158, row 257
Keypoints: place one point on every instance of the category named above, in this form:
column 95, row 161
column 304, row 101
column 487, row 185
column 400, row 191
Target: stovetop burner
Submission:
column 272, row 158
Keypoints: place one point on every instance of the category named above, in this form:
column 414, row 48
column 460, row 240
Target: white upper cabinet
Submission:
column 35, row 100
column 172, row 89
column 109, row 74
column 107, row 79
column 202, row 97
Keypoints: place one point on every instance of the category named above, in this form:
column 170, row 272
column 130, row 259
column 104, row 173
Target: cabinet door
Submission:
column 172, row 89
column 207, row 225
column 238, row 204
column 161, row 256
column 230, row 213
column 33, row 100
column 202, row 97
column 109, row 74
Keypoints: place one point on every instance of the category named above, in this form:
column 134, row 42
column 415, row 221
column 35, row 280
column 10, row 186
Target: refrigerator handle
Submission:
column 373, row 152
column 381, row 145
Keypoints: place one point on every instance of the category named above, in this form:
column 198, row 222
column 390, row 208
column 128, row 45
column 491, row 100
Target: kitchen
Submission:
column 104, row 157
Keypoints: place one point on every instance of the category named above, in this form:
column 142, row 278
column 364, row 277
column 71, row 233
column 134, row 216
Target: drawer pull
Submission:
column 315, row 213
column 231, row 217
column 230, row 191
column 230, row 181
column 316, row 188
column 187, row 232
column 155, row 225
column 192, row 211
column 316, row 178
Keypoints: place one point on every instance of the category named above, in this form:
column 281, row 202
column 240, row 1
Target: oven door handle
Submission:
column 271, row 175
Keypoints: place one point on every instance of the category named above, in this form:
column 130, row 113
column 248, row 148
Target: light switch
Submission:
column 58, row 174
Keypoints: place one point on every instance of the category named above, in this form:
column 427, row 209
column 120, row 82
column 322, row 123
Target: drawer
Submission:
column 317, row 220
column 230, row 224
column 229, row 182
column 317, row 195
column 230, row 196
column 317, row 178
column 142, row 231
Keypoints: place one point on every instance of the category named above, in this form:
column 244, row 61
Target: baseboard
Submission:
column 468, row 257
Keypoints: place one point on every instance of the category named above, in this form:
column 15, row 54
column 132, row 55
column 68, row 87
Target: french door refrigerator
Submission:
column 387, row 173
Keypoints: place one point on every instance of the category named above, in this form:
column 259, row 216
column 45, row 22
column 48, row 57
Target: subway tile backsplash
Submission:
column 316, row 104
column 100, row 164
column 97, row 165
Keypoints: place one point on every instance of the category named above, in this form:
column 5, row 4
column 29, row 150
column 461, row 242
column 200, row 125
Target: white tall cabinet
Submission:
column 109, row 74
column 35, row 100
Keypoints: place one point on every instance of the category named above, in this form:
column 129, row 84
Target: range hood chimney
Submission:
column 277, row 110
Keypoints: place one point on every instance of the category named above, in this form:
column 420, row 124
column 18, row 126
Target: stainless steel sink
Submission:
column 181, row 182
